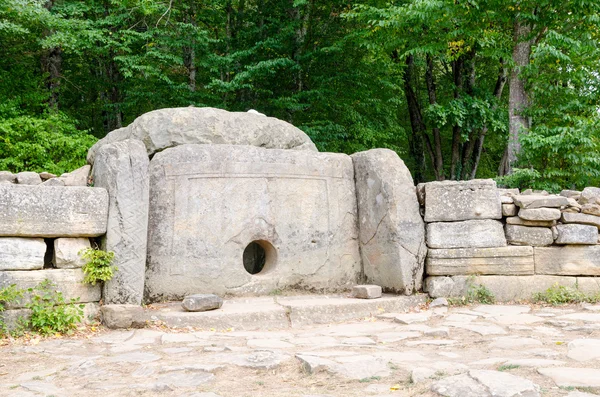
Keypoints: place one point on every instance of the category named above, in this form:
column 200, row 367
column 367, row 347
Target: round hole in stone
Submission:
column 259, row 257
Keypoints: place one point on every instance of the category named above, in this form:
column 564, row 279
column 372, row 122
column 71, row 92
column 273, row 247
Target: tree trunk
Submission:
column 51, row 65
column 190, row 52
column 457, row 67
column 438, row 157
column 517, row 100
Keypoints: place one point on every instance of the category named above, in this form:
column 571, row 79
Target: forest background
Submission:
column 459, row 88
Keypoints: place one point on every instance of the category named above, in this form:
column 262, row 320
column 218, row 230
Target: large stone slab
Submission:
column 577, row 234
column 293, row 212
column 462, row 200
column 122, row 168
column 466, row 234
column 540, row 201
column 500, row 260
column 17, row 253
column 506, row 288
column 515, row 220
column 525, row 235
column 52, row 211
column 67, row 252
column 68, row 281
column 568, row 260
column 589, row 195
column 164, row 128
column 584, row 219
column 539, row 214
column 573, row 377
column 392, row 232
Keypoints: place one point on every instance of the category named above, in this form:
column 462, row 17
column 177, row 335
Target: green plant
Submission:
column 560, row 295
column 508, row 367
column 476, row 293
column 50, row 312
column 7, row 295
column 369, row 379
column 99, row 265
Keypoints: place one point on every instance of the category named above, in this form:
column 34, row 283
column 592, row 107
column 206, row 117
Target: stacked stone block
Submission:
column 546, row 237
column 42, row 229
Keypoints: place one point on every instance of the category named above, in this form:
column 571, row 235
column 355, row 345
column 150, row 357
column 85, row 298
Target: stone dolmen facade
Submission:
column 201, row 201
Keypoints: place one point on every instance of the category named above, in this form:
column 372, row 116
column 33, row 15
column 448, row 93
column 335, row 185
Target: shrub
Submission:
column 560, row 295
column 7, row 295
column 51, row 313
column 99, row 266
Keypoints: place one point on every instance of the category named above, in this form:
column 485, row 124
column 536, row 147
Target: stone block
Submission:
column 466, row 234
column 78, row 177
column 39, row 211
column 391, row 230
column 165, row 128
column 201, row 302
column 53, row 182
column 122, row 316
column 591, row 209
column 501, row 260
column 504, row 288
column 46, row 175
column 584, row 219
column 28, row 178
column 568, row 260
column 16, row 319
column 577, row 234
column 509, row 210
column 589, row 195
column 570, row 194
column 540, row 201
column 66, row 252
column 68, row 281
column 507, row 200
column 366, row 291
column 6, row 176
column 526, row 235
column 17, row 253
column 293, row 212
column 122, row 169
column 540, row 214
column 462, row 200
column 515, row 220
column 508, row 192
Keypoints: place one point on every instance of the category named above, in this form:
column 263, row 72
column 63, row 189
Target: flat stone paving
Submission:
column 478, row 350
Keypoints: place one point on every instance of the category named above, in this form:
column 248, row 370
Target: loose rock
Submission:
column 202, row 302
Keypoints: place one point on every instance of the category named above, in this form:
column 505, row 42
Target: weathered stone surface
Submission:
column 28, row 178
column 463, row 200
column 505, row 288
column 509, row 210
column 298, row 206
column 459, row 386
column 78, row 177
column 366, row 291
column 515, row 220
column 583, row 219
column 506, row 200
column 577, row 234
column 68, row 281
column 573, row 377
column 501, row 260
column 570, row 193
column 584, row 349
column 164, row 128
column 122, row 168
column 466, row 234
column 54, row 182
column 18, row 253
column 46, row 175
column 568, row 260
column 525, row 235
column 7, row 176
column 201, row 302
column 35, row 211
column 539, row 201
column 391, row 230
column 66, row 252
column 421, row 193
column 508, row 192
column 591, row 209
column 589, row 195
column 122, row 316
column 486, row 384
column 540, row 214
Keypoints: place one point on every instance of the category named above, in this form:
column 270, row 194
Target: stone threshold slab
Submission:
column 264, row 313
column 510, row 260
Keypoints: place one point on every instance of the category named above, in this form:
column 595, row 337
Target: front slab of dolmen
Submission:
column 208, row 203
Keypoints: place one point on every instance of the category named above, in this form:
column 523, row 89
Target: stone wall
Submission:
column 44, row 222
column 515, row 243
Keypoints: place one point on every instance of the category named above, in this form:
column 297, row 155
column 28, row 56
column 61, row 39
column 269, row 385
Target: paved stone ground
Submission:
column 465, row 351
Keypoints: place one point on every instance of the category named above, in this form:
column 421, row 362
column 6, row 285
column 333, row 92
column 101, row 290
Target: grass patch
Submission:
column 503, row 368
column 476, row 293
column 561, row 295
column 370, row 379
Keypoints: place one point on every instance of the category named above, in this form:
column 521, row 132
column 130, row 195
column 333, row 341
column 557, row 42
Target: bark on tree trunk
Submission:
column 51, row 64
column 438, row 158
column 457, row 67
column 517, row 100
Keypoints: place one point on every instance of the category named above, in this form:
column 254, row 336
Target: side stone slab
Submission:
column 466, row 234
column 52, row 211
column 122, row 168
column 17, row 253
column 391, row 230
column 509, row 260
column 568, row 260
column 458, row 201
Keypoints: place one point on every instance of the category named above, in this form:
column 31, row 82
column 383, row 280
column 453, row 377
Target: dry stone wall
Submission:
column 530, row 241
column 43, row 226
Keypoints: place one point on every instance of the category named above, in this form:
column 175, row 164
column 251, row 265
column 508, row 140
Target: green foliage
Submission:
column 8, row 295
column 50, row 312
column 98, row 267
column 561, row 295
column 508, row 367
column 476, row 293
